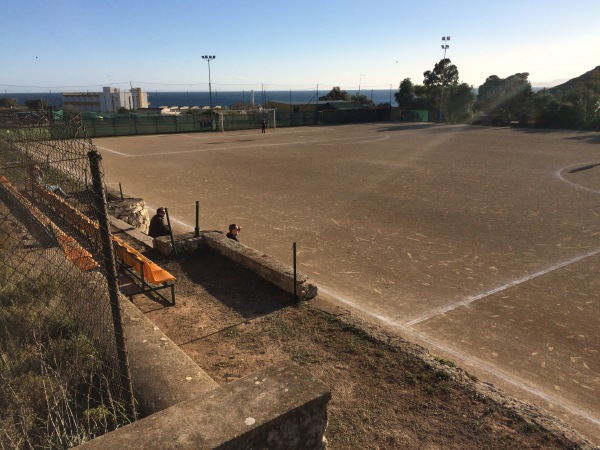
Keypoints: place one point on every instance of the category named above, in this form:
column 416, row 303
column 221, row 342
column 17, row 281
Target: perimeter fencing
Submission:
column 63, row 367
column 227, row 120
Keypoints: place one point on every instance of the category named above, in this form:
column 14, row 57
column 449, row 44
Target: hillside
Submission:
column 589, row 80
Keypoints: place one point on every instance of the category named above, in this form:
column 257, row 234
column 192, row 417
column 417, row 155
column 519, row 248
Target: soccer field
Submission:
column 481, row 244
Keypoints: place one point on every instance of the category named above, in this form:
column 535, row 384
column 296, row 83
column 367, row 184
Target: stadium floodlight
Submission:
column 444, row 47
column 208, row 59
column 360, row 80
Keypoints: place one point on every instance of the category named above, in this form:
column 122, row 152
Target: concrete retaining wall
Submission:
column 271, row 270
column 281, row 407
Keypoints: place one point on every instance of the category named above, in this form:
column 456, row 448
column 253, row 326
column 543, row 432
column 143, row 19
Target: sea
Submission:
column 225, row 99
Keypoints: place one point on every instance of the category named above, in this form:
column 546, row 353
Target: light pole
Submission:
column 360, row 80
column 208, row 59
column 445, row 47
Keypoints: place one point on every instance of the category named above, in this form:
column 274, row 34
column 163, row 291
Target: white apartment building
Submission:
column 111, row 99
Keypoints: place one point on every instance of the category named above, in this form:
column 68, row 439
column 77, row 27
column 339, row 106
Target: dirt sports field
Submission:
column 481, row 244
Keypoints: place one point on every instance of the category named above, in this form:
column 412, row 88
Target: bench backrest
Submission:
column 74, row 252
column 151, row 271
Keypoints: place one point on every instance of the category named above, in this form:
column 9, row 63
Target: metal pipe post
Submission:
column 171, row 232
column 197, row 229
column 295, row 274
column 110, row 267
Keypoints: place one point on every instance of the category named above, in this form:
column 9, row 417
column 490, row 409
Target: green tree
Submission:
column 444, row 73
column 405, row 96
column 511, row 96
column 9, row 103
column 443, row 79
column 37, row 104
column 458, row 103
column 361, row 98
column 336, row 93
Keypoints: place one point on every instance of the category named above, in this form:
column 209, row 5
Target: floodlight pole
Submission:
column 208, row 59
column 444, row 47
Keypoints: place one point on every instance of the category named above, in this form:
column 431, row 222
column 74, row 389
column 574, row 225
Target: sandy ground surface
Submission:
column 480, row 244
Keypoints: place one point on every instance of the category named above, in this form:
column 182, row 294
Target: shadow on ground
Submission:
column 232, row 285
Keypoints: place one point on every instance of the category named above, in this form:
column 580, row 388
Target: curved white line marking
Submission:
column 578, row 186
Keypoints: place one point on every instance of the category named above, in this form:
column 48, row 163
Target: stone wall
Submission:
column 128, row 209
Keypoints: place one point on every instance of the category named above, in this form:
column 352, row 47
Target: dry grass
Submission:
column 52, row 393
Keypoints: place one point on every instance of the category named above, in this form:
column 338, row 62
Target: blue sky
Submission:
column 68, row 45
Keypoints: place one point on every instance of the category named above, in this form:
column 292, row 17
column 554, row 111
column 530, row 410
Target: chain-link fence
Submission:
column 63, row 368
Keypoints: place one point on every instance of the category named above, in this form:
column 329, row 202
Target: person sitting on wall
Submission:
column 37, row 177
column 233, row 232
column 158, row 226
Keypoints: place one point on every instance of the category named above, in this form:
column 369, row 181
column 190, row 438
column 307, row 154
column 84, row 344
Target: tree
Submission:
column 444, row 73
column 511, row 95
column 8, row 103
column 458, row 98
column 37, row 104
column 458, row 103
column 336, row 93
column 405, row 96
column 361, row 98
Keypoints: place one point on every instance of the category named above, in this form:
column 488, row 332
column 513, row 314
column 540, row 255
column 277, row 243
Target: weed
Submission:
column 472, row 377
column 231, row 332
column 445, row 362
column 442, row 375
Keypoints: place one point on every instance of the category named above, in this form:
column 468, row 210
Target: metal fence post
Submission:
column 171, row 232
column 197, row 229
column 111, row 278
column 295, row 276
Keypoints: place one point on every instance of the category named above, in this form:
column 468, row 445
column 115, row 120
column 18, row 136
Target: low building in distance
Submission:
column 111, row 99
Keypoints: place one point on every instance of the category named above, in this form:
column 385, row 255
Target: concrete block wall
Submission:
column 280, row 407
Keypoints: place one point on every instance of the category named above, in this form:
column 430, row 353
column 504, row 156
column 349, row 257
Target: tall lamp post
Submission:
column 208, row 59
column 360, row 81
column 445, row 47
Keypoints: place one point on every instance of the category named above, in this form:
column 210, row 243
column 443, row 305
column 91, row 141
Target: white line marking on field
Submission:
column 475, row 362
column 235, row 147
column 560, row 172
column 474, row 298
column 110, row 150
column 171, row 219
column 276, row 132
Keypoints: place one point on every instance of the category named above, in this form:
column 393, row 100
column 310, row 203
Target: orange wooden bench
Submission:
column 74, row 252
column 69, row 212
column 151, row 277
